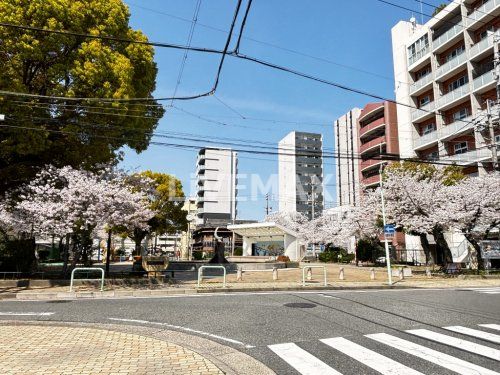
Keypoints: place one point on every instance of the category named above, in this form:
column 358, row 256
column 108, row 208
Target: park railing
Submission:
column 200, row 273
column 88, row 270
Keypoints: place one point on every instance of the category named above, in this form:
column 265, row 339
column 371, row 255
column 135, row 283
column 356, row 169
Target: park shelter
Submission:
column 269, row 231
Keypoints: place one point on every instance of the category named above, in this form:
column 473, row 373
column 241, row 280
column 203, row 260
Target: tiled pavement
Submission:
column 33, row 349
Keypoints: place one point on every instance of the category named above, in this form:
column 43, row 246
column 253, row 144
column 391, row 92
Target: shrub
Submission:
column 283, row 258
column 334, row 254
column 238, row 251
column 198, row 255
column 369, row 250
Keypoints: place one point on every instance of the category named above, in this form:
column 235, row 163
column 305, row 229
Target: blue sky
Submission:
column 352, row 43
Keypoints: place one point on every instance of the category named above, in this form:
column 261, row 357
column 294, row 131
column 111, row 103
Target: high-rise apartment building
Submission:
column 301, row 174
column 217, row 178
column 347, row 161
column 377, row 138
column 444, row 72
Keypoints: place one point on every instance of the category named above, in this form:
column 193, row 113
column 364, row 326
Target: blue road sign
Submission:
column 389, row 229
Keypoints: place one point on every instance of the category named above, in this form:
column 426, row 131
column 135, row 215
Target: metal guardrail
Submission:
column 86, row 269
column 200, row 273
column 308, row 267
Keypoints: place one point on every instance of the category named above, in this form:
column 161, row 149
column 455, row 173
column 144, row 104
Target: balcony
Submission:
column 483, row 82
column 452, row 97
column 448, row 68
column 423, row 113
column 200, row 211
column 470, row 157
column 456, row 128
column 419, row 86
column 368, row 129
column 479, row 48
column 449, row 36
column 370, row 163
column 418, row 56
column 374, row 143
column 425, row 141
column 477, row 16
column 371, row 181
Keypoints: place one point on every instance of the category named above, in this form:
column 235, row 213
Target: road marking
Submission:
column 186, row 329
column 475, row 333
column 493, row 290
column 469, row 346
column 376, row 361
column 328, row 296
column 490, row 326
column 302, row 361
column 444, row 360
column 26, row 313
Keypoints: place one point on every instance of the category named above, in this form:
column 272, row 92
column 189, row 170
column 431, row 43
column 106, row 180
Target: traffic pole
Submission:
column 387, row 254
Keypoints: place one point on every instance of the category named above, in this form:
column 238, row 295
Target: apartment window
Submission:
column 425, row 100
column 455, row 53
column 497, row 141
column 433, row 156
column 461, row 114
column 484, row 34
column 417, row 49
column 423, row 73
column 429, row 128
column 458, row 83
column 460, row 148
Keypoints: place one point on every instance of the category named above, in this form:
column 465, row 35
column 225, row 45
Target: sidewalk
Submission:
column 76, row 348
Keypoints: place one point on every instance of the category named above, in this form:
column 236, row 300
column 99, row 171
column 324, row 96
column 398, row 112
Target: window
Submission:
column 423, row 73
column 433, row 156
column 418, row 49
column 455, row 53
column 458, row 83
column 460, row 148
column 484, row 34
column 461, row 114
column 425, row 100
column 429, row 128
column 497, row 141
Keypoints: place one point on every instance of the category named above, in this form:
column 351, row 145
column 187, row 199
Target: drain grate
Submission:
column 300, row 305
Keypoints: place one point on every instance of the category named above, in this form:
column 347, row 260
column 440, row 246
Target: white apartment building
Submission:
column 216, row 180
column 300, row 167
column 444, row 75
column 347, row 162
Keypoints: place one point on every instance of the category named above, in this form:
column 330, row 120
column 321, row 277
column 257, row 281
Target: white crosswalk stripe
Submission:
column 376, row 361
column 307, row 364
column 475, row 333
column 469, row 346
column 302, row 361
column 490, row 326
column 452, row 363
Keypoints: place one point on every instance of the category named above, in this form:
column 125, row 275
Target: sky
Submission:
column 348, row 42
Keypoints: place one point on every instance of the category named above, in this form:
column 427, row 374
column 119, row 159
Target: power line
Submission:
column 237, row 48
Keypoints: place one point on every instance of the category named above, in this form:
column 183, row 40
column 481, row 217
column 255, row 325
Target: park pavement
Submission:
column 77, row 348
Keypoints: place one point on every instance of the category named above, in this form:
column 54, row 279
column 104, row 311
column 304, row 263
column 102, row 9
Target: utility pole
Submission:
column 387, row 253
column 494, row 153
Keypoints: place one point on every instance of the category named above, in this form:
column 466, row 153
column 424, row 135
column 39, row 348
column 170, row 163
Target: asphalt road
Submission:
column 257, row 323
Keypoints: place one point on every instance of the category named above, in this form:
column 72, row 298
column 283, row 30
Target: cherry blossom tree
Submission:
column 76, row 205
column 474, row 208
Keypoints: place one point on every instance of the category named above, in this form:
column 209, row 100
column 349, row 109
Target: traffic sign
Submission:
column 389, row 229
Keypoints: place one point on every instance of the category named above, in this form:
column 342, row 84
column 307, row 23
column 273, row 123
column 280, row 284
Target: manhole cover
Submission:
column 300, row 305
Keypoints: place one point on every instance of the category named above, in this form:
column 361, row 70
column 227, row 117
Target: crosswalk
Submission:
column 306, row 363
column 492, row 290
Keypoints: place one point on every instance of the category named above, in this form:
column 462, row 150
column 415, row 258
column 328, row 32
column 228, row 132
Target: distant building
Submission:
column 301, row 173
column 216, row 175
column 347, row 159
column 444, row 72
column 377, row 137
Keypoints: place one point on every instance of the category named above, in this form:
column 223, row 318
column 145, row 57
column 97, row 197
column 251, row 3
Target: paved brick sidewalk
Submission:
column 32, row 349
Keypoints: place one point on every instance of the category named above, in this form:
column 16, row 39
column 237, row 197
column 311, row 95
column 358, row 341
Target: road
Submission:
column 347, row 332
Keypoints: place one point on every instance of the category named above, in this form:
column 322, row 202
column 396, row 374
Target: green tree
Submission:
column 166, row 201
column 76, row 133
column 439, row 8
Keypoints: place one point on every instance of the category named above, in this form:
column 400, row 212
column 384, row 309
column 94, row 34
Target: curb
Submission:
column 230, row 361
column 165, row 293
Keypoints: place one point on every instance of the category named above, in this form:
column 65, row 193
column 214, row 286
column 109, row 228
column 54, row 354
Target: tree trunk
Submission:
column 442, row 246
column 426, row 247
column 477, row 248
column 108, row 253
column 65, row 257
column 138, row 237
